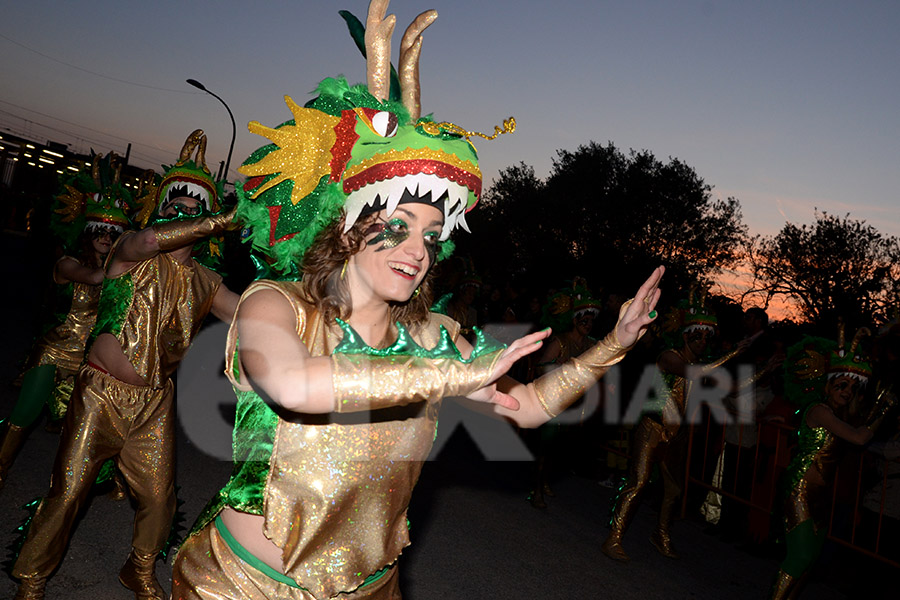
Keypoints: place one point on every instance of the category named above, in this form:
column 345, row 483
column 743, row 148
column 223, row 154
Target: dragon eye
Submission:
column 384, row 123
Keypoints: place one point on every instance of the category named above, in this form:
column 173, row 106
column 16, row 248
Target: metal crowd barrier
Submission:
column 865, row 541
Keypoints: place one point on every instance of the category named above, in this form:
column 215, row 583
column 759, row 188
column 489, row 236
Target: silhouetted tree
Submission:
column 837, row 267
column 608, row 216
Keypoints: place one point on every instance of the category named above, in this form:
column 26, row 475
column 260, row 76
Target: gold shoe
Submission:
column 663, row 543
column 119, row 491
column 783, row 587
column 138, row 575
column 612, row 547
column 31, row 588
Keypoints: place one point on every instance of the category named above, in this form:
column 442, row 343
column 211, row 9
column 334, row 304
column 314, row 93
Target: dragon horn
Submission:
column 95, row 170
column 189, row 144
column 861, row 333
column 117, row 171
column 201, row 152
column 841, row 333
column 410, row 49
column 378, row 48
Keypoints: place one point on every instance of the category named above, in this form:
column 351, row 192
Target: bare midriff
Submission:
column 107, row 354
column 247, row 529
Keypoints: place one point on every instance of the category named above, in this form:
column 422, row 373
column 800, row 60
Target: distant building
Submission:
column 29, row 175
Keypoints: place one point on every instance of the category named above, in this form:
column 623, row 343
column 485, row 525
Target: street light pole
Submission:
column 202, row 88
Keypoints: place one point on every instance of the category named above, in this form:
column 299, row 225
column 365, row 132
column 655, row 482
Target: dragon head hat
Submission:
column 354, row 150
column 812, row 362
column 189, row 177
column 569, row 303
column 93, row 201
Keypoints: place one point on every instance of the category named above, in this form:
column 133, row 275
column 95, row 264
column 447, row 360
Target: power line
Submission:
column 73, row 124
column 71, row 66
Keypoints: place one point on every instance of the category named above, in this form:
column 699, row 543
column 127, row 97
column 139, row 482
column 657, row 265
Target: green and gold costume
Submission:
column 333, row 489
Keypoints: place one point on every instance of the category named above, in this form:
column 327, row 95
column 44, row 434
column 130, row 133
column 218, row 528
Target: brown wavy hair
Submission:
column 324, row 287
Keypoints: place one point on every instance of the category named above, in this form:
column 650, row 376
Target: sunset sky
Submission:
column 786, row 106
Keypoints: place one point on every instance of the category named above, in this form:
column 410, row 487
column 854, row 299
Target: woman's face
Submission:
column 583, row 323
column 102, row 241
column 841, row 390
column 397, row 253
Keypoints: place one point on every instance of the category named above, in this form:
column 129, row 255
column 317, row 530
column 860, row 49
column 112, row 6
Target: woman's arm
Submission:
column 224, row 304
column 68, row 269
column 276, row 363
column 280, row 368
column 822, row 416
column 568, row 383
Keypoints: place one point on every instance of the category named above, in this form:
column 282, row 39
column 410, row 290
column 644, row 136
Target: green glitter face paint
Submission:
column 393, row 233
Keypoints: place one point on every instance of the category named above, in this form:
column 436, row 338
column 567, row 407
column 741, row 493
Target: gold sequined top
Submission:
column 155, row 309
column 64, row 344
column 338, row 485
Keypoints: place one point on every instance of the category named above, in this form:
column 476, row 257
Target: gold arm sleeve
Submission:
column 719, row 362
column 177, row 234
column 884, row 401
column 559, row 388
column 369, row 383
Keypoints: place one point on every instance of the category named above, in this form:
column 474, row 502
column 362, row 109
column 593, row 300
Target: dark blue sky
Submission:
column 786, row 106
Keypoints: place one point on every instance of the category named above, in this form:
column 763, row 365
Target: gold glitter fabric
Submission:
column 650, row 446
column 813, row 469
column 63, row 345
column 338, row 485
column 369, row 383
column 107, row 418
column 167, row 306
column 207, row 569
column 559, row 388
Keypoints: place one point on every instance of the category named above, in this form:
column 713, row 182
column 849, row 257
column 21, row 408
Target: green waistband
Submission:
column 268, row 571
column 249, row 558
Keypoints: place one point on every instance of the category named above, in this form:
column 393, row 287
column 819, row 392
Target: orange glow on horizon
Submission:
column 733, row 283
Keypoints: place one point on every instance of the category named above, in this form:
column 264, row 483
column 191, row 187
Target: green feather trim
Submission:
column 116, row 297
column 327, row 201
column 447, row 249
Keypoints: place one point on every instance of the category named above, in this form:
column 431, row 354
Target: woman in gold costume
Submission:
column 57, row 355
column 340, row 377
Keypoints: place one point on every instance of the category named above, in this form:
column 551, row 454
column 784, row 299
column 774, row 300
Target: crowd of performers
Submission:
column 341, row 353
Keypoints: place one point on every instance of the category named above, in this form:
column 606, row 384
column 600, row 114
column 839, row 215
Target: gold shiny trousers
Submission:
column 107, row 419
column 207, row 569
column 651, row 444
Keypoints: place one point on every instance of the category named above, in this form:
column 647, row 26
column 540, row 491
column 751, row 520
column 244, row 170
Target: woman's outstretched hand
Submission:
column 636, row 316
column 518, row 349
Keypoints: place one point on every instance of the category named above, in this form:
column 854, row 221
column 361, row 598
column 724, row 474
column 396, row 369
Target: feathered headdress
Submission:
column 354, row 150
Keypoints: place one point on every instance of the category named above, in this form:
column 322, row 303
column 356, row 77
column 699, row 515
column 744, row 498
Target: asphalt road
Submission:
column 473, row 533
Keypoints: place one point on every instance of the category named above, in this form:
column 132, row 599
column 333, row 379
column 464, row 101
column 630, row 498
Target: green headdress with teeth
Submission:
column 189, row 177
column 354, row 150
column 92, row 201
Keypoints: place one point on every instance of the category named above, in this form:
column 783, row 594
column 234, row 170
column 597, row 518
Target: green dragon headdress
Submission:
column 92, row 201
column 810, row 363
column 569, row 303
column 189, row 177
column 358, row 149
